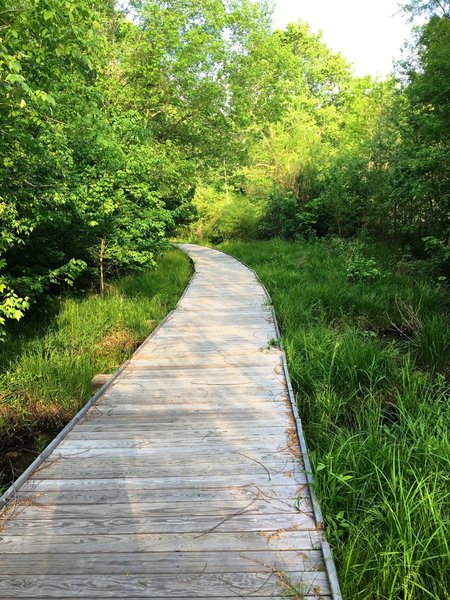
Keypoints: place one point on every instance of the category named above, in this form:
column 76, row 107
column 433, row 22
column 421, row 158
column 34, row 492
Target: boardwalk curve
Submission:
column 187, row 477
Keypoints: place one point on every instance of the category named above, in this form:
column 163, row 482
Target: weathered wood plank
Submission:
column 167, row 347
column 208, row 417
column 162, row 585
column 241, row 397
column 160, row 524
column 212, row 360
column 207, row 453
column 161, row 445
column 258, row 376
column 220, row 389
column 272, row 597
column 161, row 542
column 154, row 410
column 196, row 326
column 251, row 375
column 284, row 496
column 162, row 378
column 148, row 563
column 221, row 340
column 236, row 463
column 208, row 447
column 232, row 431
column 126, row 510
column 233, row 458
column 221, row 319
column 232, row 374
column 116, row 468
column 157, row 483
column 112, row 423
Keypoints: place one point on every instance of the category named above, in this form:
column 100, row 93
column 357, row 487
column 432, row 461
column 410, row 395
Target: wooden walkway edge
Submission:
column 186, row 476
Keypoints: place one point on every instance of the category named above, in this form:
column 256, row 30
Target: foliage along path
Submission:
column 185, row 478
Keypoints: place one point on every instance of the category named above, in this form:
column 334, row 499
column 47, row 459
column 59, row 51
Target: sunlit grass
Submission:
column 370, row 363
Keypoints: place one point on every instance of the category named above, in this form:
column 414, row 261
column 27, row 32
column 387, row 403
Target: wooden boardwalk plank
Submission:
column 286, row 496
column 159, row 524
column 111, row 469
column 272, row 597
column 157, row 562
column 210, row 432
column 181, row 480
column 166, row 585
column 185, row 479
column 160, row 542
column 195, row 442
column 127, row 510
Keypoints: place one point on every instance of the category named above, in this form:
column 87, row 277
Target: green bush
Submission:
column 360, row 267
column 438, row 252
column 283, row 218
column 224, row 215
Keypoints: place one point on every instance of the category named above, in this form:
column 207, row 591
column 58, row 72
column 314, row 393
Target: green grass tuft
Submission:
column 47, row 369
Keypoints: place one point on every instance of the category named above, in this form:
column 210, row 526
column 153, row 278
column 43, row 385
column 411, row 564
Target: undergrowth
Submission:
column 368, row 348
column 47, row 368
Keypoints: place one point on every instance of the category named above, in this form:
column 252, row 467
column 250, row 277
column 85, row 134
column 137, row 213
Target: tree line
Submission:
column 122, row 123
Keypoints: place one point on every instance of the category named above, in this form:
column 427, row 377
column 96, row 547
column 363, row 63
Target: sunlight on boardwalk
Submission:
column 185, row 480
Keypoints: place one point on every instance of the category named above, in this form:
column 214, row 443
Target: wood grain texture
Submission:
column 185, row 479
column 231, row 522
column 178, row 481
column 287, row 496
column 272, row 597
column 166, row 585
column 219, row 508
column 157, row 562
column 88, row 543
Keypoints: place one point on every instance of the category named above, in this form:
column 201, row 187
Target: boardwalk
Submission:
column 185, row 479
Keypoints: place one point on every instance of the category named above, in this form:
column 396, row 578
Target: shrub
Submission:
column 223, row 215
column 438, row 253
column 283, row 218
column 360, row 267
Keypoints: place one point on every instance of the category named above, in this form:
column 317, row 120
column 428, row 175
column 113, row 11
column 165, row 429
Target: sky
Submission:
column 368, row 33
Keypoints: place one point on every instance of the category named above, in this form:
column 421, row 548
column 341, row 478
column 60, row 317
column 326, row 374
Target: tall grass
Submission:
column 369, row 359
column 47, row 370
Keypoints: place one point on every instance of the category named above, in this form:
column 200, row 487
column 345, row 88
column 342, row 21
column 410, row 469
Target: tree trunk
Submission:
column 101, row 256
column 395, row 222
column 113, row 25
column 226, row 181
column 339, row 226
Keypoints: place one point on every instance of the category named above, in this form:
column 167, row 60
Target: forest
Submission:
column 118, row 126
column 126, row 126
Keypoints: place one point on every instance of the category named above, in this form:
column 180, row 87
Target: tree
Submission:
column 425, row 151
column 178, row 68
column 46, row 66
column 427, row 8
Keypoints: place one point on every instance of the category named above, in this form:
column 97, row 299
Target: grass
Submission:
column 48, row 368
column 369, row 355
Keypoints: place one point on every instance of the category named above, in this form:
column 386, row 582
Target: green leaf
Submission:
column 15, row 78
